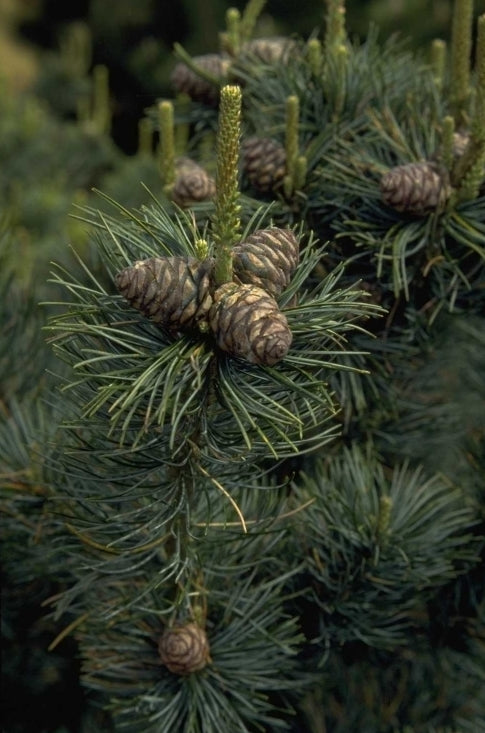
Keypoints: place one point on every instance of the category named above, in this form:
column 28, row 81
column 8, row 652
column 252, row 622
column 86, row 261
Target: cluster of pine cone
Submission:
column 178, row 294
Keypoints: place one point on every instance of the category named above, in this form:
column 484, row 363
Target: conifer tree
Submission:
column 259, row 456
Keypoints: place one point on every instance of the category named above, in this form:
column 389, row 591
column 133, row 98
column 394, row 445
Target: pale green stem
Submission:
column 473, row 178
column 291, row 140
column 341, row 59
column 182, row 54
column 315, row 56
column 447, row 142
column 438, row 61
column 301, row 167
column 469, row 171
column 226, row 223
column 291, row 136
column 145, row 137
column 335, row 33
column 478, row 121
column 384, row 518
column 76, row 49
column 166, row 148
column 101, row 103
column 249, row 17
column 461, row 42
column 232, row 36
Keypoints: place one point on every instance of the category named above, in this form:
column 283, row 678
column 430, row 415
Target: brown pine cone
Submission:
column 199, row 89
column 416, row 187
column 170, row 291
column 184, row 649
column 248, row 323
column 192, row 183
column 268, row 50
column 264, row 163
column 267, row 258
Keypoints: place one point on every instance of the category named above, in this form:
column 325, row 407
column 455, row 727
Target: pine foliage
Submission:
column 258, row 429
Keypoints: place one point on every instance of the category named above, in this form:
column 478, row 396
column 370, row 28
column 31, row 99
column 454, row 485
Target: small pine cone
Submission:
column 248, row 323
column 267, row 258
column 170, row 291
column 416, row 187
column 264, row 162
column 199, row 89
column 192, row 183
column 184, row 649
column 268, row 50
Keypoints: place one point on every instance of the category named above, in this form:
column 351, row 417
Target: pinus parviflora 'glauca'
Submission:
column 265, row 493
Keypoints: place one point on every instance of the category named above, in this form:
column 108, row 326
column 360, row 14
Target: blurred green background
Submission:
column 135, row 39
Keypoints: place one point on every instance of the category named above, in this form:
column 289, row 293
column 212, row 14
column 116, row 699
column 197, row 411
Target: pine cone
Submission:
column 171, row 291
column 268, row 50
column 267, row 258
column 248, row 323
column 198, row 88
column 192, row 183
column 264, row 162
column 416, row 187
column 184, row 649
